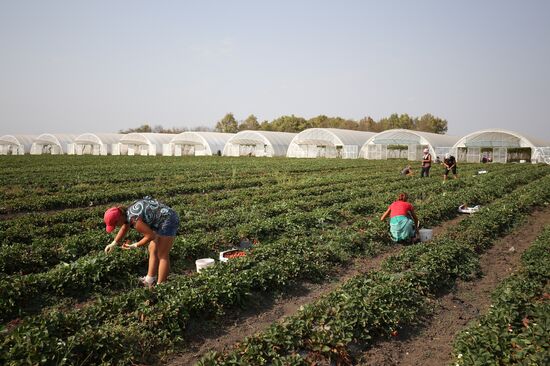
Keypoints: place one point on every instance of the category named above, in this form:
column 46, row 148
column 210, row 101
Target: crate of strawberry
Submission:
column 231, row 254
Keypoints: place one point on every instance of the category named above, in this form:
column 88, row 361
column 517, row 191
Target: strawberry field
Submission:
column 64, row 301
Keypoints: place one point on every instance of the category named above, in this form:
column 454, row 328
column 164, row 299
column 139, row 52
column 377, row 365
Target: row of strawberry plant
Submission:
column 69, row 195
column 39, row 287
column 43, row 253
column 379, row 303
column 516, row 328
column 33, row 226
column 183, row 295
column 77, row 278
column 261, row 219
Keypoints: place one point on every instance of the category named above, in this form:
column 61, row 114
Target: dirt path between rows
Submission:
column 216, row 336
column 431, row 344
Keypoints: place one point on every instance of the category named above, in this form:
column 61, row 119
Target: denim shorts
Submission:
column 169, row 227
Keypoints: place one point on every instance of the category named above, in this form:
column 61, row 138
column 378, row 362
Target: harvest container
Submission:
column 203, row 263
column 425, row 234
column 232, row 253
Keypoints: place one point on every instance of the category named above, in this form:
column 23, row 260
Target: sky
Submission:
column 78, row 66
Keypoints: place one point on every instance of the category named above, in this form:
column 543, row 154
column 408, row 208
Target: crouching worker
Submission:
column 403, row 220
column 157, row 222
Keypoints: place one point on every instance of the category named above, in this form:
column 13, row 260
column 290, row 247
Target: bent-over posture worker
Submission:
column 157, row 222
column 403, row 220
column 450, row 166
column 407, row 171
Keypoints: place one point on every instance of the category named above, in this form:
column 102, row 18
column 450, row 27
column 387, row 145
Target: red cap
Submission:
column 111, row 218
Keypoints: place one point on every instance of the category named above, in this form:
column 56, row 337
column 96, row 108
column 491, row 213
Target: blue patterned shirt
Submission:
column 151, row 211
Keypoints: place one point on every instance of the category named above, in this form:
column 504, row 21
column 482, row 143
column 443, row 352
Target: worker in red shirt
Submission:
column 403, row 220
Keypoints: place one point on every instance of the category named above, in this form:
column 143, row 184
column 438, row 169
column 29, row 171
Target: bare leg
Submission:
column 153, row 259
column 164, row 244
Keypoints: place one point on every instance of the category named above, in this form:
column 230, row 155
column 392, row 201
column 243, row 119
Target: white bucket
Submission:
column 203, row 263
column 425, row 234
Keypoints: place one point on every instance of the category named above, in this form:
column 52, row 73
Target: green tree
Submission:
column 289, row 124
column 368, row 124
column 227, row 124
column 431, row 123
column 250, row 123
column 265, row 126
column 406, row 122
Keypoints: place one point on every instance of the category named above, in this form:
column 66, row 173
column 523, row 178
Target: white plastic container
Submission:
column 425, row 234
column 468, row 210
column 203, row 263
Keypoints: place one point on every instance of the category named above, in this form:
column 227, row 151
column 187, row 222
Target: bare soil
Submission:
column 431, row 344
column 263, row 311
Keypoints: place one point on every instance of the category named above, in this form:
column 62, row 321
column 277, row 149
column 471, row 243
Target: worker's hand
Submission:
column 109, row 248
column 130, row 246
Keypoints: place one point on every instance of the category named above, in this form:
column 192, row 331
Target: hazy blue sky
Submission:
column 101, row 66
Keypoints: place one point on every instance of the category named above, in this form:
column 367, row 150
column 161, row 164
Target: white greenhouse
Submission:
column 95, row 143
column 501, row 146
column 328, row 143
column 406, row 144
column 16, row 144
column 197, row 143
column 54, row 144
column 145, row 143
column 258, row 143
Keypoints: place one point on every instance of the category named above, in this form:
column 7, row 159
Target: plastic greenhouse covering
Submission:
column 328, row 143
column 95, row 143
column 53, row 144
column 258, row 143
column 384, row 144
column 16, row 144
column 495, row 144
column 197, row 143
column 147, row 143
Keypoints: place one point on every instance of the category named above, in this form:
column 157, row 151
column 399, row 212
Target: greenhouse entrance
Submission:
column 494, row 154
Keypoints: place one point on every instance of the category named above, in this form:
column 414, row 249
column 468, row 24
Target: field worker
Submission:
column 426, row 163
column 407, row 171
column 157, row 222
column 403, row 220
column 450, row 166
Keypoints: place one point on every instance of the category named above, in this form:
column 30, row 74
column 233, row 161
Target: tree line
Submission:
column 292, row 123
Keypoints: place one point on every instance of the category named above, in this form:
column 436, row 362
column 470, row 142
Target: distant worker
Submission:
column 157, row 222
column 403, row 220
column 450, row 166
column 426, row 163
column 407, row 171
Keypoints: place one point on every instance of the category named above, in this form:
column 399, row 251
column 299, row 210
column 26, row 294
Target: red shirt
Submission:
column 400, row 208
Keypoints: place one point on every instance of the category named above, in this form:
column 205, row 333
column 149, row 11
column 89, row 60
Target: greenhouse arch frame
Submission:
column 258, row 143
column 53, row 144
column 142, row 143
column 16, row 144
column 328, row 143
column 501, row 146
column 197, row 143
column 406, row 144
column 95, row 143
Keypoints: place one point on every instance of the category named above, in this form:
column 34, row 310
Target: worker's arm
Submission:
column 122, row 233
column 385, row 214
column 148, row 235
column 413, row 215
